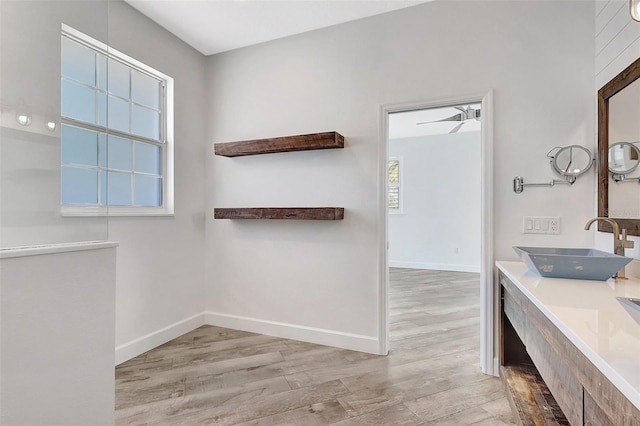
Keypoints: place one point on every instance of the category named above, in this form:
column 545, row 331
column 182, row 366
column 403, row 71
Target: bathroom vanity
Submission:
column 569, row 350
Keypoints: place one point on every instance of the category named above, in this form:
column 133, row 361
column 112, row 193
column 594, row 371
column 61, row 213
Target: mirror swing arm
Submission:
column 518, row 183
column 566, row 168
column 606, row 92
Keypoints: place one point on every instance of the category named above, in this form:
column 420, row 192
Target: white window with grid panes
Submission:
column 116, row 132
column 394, row 181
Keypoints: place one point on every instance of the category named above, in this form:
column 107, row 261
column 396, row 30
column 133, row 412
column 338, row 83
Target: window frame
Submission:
column 166, row 142
column 399, row 185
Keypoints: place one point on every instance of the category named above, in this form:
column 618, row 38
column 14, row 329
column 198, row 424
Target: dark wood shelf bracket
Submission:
column 326, row 140
column 285, row 213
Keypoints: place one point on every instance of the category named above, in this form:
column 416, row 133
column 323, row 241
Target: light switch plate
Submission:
column 541, row 225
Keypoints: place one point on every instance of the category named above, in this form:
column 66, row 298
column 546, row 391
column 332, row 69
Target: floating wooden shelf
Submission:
column 290, row 213
column 325, row 140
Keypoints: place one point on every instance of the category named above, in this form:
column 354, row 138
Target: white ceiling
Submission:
column 214, row 26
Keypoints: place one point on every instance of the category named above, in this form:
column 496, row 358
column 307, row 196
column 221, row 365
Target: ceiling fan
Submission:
column 465, row 114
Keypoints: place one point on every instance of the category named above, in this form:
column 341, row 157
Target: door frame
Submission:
column 487, row 293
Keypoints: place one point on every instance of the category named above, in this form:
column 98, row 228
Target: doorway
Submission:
column 452, row 190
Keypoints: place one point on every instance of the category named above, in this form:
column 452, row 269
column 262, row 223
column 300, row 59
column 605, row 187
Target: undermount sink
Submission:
column 574, row 263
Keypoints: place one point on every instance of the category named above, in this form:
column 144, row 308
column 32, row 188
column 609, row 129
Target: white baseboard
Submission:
column 354, row 342
column 143, row 344
column 434, row 266
column 318, row 336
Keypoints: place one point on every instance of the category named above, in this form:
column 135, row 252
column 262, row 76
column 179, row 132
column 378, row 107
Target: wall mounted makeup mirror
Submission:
column 569, row 162
column 618, row 124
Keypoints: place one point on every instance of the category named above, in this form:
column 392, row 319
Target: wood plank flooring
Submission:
column 432, row 375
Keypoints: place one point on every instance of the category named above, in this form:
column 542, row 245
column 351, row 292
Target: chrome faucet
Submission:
column 620, row 241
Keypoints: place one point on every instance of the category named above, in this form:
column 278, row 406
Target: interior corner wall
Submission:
column 160, row 261
column 321, row 280
column 439, row 225
column 30, row 155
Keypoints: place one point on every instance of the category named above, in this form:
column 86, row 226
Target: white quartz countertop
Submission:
column 587, row 312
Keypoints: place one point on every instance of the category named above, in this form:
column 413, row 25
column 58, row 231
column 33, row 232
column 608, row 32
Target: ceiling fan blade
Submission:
column 457, row 117
column 455, row 129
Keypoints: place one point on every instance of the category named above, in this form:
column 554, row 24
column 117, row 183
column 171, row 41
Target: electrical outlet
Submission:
column 541, row 225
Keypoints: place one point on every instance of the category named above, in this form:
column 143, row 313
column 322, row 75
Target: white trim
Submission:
column 152, row 340
column 96, row 44
column 9, row 252
column 354, row 342
column 383, row 232
column 319, row 336
column 67, row 210
column 487, row 305
column 434, row 266
column 168, row 147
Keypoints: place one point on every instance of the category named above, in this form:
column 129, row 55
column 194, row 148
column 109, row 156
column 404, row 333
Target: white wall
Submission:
column 439, row 227
column 30, row 156
column 57, row 335
column 310, row 280
column 617, row 45
column 160, row 278
column 282, row 277
column 617, row 39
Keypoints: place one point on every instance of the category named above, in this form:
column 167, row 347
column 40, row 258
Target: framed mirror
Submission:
column 618, row 127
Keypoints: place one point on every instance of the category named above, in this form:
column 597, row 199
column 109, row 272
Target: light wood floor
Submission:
column 431, row 376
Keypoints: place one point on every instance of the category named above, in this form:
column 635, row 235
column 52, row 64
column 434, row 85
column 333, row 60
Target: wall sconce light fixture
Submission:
column 634, row 8
column 23, row 119
column 51, row 126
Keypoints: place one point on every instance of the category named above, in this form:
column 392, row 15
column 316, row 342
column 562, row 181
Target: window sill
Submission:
column 86, row 211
